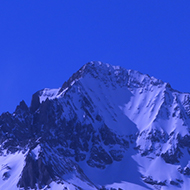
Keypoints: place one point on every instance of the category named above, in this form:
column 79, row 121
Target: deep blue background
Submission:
column 43, row 42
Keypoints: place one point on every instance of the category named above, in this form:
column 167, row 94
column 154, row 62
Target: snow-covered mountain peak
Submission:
column 103, row 72
column 95, row 69
column 88, row 134
column 119, row 76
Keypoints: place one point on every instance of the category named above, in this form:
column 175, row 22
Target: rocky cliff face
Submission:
column 105, row 128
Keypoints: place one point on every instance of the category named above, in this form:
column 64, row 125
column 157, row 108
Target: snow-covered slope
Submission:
column 105, row 128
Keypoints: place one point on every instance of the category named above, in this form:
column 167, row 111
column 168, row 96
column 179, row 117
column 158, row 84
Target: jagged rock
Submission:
column 151, row 181
column 174, row 183
column 99, row 158
column 35, row 103
column 107, row 136
column 6, row 176
column 116, row 154
column 172, row 157
column 35, row 172
column 22, row 107
column 186, row 171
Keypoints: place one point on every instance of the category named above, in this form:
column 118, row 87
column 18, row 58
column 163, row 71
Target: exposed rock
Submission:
column 174, row 183
column 35, row 103
column 99, row 158
column 151, row 181
column 35, row 172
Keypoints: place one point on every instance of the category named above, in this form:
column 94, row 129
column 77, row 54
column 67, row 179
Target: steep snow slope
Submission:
column 11, row 168
column 106, row 127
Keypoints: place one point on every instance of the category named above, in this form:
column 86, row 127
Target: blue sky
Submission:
column 44, row 42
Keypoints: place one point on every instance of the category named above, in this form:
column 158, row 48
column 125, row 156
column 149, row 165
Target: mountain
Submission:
column 105, row 128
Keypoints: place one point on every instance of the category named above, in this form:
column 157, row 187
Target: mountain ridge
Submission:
column 88, row 133
column 96, row 67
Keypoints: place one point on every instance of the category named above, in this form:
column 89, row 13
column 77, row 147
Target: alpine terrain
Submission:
column 106, row 128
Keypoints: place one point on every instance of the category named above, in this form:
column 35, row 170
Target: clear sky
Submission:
column 42, row 42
